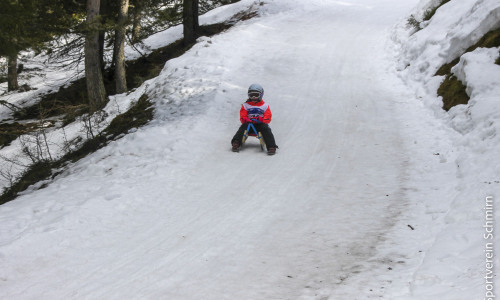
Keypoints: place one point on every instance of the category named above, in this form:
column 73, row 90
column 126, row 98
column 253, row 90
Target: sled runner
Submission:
column 251, row 131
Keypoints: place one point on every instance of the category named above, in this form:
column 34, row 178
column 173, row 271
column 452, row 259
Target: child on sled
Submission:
column 257, row 112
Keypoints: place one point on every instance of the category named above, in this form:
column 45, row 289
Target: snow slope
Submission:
column 458, row 265
column 51, row 74
column 169, row 212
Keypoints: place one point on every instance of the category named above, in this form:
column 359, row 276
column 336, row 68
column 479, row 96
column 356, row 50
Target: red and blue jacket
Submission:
column 251, row 110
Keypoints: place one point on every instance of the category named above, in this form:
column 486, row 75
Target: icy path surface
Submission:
column 169, row 212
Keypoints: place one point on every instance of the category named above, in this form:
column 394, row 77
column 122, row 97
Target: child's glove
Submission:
column 258, row 120
column 245, row 120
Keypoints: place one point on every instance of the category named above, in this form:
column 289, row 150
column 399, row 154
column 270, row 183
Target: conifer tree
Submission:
column 15, row 34
column 29, row 24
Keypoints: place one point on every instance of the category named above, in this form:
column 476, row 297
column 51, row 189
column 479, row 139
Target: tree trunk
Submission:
column 95, row 84
column 136, row 19
column 188, row 20
column 119, row 49
column 103, row 13
column 136, row 26
column 102, row 40
column 12, row 84
column 196, row 24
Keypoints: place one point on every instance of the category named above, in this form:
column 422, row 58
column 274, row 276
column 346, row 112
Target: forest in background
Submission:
column 81, row 30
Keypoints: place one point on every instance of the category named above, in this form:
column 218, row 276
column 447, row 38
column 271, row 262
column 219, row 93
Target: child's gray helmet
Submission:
column 255, row 92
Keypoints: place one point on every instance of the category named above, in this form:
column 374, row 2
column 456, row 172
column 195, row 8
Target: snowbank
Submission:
column 456, row 264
